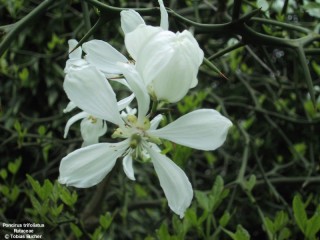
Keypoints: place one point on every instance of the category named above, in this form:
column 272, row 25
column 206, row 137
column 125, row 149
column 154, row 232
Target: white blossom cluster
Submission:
column 164, row 66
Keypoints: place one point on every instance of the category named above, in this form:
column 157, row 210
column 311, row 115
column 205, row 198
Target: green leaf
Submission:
column 15, row 192
column 284, row 234
column 42, row 130
column 66, row 197
column 281, row 220
column 250, row 183
column 202, row 199
column 13, row 167
column 56, row 211
column 3, row 174
column 224, row 220
column 76, row 230
column 163, row 233
column 5, row 190
column 313, row 225
column 241, row 234
column 299, row 213
column 269, row 225
column 35, row 185
column 105, row 220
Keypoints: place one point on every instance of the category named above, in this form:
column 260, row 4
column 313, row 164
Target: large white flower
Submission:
column 203, row 129
column 167, row 62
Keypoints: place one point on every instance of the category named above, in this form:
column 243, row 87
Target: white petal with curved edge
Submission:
column 130, row 20
column 139, row 89
column 72, row 120
column 102, row 55
column 204, row 129
column 173, row 82
column 136, row 40
column 87, row 166
column 174, row 182
column 123, row 103
column 164, row 23
column 69, row 107
column 127, row 167
column 74, row 64
column 92, row 93
column 155, row 55
column 76, row 53
column 154, row 123
column 91, row 129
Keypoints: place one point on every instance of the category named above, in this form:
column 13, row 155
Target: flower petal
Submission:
column 174, row 182
column 72, row 120
column 154, row 123
column 139, row 89
column 76, row 53
column 123, row 103
column 127, row 167
column 92, row 93
column 102, row 55
column 164, row 23
column 204, row 129
column 130, row 20
column 91, row 130
column 137, row 39
column 69, row 107
column 87, row 166
column 155, row 55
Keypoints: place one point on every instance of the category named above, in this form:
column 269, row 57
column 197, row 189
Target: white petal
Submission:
column 76, row 53
column 91, row 130
column 87, row 166
column 130, row 20
column 72, row 120
column 155, row 55
column 139, row 89
column 204, row 129
column 164, row 24
column 102, row 55
column 174, row 81
column 137, row 39
column 74, row 64
column 69, row 107
column 155, row 122
column 127, row 167
column 123, row 103
column 91, row 92
column 174, row 182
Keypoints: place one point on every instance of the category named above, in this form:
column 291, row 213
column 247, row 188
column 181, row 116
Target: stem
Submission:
column 226, row 50
column 236, row 9
column 23, row 23
column 304, row 65
column 281, row 24
column 86, row 15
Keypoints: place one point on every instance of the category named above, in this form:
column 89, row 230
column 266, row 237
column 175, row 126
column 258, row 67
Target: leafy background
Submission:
column 263, row 183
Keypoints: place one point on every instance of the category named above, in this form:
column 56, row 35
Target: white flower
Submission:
column 203, row 129
column 167, row 62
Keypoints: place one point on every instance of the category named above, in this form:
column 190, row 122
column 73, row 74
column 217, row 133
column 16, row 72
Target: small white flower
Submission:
column 203, row 129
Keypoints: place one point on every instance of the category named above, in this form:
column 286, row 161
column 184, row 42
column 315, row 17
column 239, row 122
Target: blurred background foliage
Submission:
column 261, row 70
